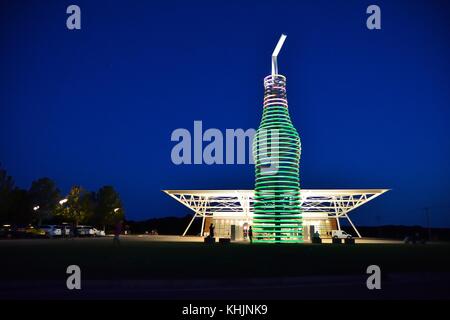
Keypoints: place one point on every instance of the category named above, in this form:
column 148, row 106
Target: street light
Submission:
column 61, row 202
column 116, row 209
column 35, row 209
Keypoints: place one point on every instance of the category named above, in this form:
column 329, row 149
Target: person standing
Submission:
column 117, row 231
column 250, row 234
column 211, row 230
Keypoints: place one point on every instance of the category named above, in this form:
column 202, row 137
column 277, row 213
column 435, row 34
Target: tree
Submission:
column 6, row 181
column 6, row 188
column 44, row 193
column 88, row 205
column 79, row 207
column 109, row 209
column 19, row 207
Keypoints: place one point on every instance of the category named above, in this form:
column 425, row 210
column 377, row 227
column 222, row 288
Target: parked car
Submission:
column 26, row 231
column 51, row 230
column 85, row 231
column 340, row 234
column 33, row 232
column 6, row 231
column 89, row 231
column 415, row 238
column 99, row 233
column 66, row 230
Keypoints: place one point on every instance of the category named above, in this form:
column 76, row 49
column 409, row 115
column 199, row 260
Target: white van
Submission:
column 339, row 234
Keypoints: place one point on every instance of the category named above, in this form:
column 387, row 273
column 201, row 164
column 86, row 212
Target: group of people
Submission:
column 248, row 232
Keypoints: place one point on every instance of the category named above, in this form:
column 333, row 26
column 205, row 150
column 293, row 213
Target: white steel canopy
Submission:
column 315, row 203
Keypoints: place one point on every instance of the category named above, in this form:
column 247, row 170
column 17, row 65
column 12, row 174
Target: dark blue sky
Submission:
column 98, row 106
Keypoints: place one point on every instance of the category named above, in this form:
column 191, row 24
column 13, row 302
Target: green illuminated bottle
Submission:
column 276, row 151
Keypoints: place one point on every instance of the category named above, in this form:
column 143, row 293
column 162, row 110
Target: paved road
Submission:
column 395, row 286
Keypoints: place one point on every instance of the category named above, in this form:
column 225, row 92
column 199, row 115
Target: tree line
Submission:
column 44, row 203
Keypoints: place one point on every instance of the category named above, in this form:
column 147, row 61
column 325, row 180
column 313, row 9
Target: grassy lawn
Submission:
column 100, row 260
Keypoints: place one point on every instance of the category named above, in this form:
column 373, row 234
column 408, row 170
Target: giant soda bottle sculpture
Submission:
column 276, row 151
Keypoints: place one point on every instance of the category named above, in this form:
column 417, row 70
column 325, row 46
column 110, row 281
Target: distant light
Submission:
column 36, row 208
column 63, row 201
column 7, row 225
column 116, row 209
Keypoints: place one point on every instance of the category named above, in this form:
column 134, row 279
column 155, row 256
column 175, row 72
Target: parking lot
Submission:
column 177, row 238
column 48, row 231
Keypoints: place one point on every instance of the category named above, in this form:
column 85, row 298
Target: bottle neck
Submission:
column 275, row 91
